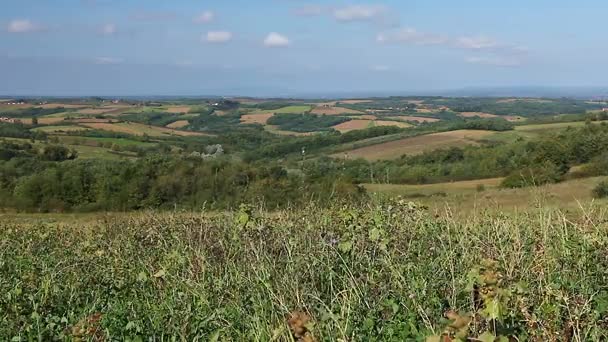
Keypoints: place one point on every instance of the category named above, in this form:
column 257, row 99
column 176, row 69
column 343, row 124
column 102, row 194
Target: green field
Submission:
column 467, row 196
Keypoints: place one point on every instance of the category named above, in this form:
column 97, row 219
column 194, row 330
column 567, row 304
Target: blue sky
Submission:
column 297, row 47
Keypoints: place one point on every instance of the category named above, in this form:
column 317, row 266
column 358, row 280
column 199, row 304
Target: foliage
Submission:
column 601, row 190
column 305, row 122
column 385, row 272
column 157, row 182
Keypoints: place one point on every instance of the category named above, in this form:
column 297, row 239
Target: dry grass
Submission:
column 353, row 125
column 44, row 121
column 354, row 101
column 463, row 197
column 322, row 110
column 512, row 118
column 178, row 110
column 140, row 129
column 256, row 118
column 364, row 117
column 178, row 124
column 62, row 105
column 417, row 145
column 477, row 114
column 392, row 123
column 414, row 118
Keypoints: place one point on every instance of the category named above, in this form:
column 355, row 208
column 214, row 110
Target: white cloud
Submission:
column 276, row 40
column 205, row 17
column 108, row 60
column 380, row 68
column 476, row 43
column 502, row 61
column 412, row 36
column 23, row 26
column 218, row 37
column 360, row 12
column 108, row 29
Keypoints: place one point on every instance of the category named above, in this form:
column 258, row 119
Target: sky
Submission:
column 297, row 47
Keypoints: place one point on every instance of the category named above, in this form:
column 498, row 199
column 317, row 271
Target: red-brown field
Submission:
column 416, row 145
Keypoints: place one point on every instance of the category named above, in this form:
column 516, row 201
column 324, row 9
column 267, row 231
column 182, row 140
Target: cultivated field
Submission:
column 256, row 118
column 419, row 119
column 139, row 129
column 391, row 123
column 353, row 125
column 178, row 109
column 292, row 110
column 322, row 110
column 60, row 129
column 417, row 145
column 178, row 124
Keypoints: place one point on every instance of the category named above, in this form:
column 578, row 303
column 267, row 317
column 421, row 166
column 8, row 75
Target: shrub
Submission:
column 601, row 190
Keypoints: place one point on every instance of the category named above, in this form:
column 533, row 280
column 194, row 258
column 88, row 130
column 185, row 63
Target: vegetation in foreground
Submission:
column 376, row 273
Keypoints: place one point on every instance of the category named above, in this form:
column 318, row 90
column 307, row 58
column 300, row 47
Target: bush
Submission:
column 601, row 190
column 546, row 173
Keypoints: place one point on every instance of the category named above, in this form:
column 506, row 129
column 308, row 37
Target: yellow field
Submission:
column 256, row 118
column 44, row 121
column 59, row 129
column 417, row 145
column 140, row 129
column 463, row 197
column 178, row 124
column 178, row 109
column 414, row 118
column 353, row 125
column 391, row 123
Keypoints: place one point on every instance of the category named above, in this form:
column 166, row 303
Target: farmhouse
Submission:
column 604, row 109
column 9, row 120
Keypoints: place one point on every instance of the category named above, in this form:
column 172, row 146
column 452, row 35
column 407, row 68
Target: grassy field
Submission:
column 275, row 130
column 76, row 140
column 549, row 126
column 467, row 196
column 293, row 109
column 322, row 110
column 261, row 118
column 59, row 129
column 382, row 272
column 140, row 129
column 178, row 124
column 416, row 145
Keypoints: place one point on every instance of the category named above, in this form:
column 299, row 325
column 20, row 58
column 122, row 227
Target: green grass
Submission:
column 118, row 141
column 291, row 110
column 465, row 197
column 383, row 272
column 549, row 126
column 91, row 152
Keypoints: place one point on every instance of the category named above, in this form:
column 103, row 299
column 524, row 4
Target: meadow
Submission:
column 389, row 271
